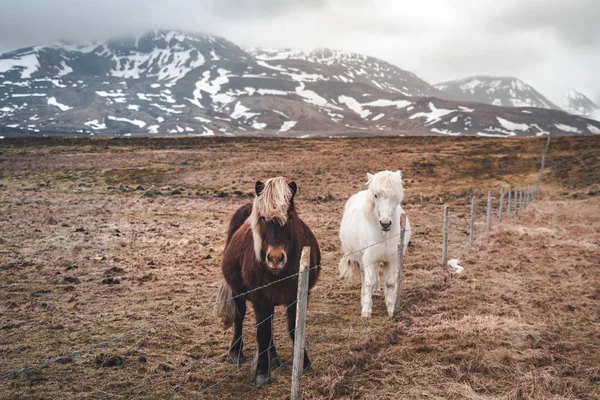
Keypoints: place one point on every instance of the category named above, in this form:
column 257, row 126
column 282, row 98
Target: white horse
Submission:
column 373, row 216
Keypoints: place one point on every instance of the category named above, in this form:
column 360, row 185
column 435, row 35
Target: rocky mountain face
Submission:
column 578, row 103
column 498, row 91
column 173, row 83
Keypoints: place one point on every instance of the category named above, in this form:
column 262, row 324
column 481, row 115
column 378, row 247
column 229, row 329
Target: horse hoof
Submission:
column 276, row 362
column 366, row 314
column 237, row 359
column 262, row 380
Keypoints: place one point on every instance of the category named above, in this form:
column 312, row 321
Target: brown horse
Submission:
column 264, row 243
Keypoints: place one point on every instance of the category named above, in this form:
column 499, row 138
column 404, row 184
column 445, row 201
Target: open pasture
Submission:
column 103, row 237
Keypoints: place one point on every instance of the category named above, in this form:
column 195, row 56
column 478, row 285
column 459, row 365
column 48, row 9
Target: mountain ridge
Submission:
column 174, row 83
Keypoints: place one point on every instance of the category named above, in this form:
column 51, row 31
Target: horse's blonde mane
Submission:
column 272, row 204
column 388, row 183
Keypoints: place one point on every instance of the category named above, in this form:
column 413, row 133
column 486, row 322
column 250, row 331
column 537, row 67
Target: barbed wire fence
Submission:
column 517, row 199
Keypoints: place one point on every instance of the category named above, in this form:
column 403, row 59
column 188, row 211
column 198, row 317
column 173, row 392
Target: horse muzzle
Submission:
column 276, row 261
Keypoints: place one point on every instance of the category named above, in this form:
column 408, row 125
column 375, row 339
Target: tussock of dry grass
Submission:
column 520, row 323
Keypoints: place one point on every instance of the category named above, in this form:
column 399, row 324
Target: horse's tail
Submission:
column 225, row 305
column 346, row 268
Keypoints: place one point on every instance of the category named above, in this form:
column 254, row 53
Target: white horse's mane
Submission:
column 388, row 183
column 272, row 204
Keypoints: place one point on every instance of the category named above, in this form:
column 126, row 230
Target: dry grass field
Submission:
column 125, row 234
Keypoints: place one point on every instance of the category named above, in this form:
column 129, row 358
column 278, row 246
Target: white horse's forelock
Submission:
column 387, row 183
column 272, row 204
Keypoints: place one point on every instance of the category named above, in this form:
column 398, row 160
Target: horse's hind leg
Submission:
column 237, row 344
column 291, row 323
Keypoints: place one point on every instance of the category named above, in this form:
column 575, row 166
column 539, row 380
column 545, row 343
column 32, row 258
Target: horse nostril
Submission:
column 269, row 258
column 281, row 259
column 385, row 224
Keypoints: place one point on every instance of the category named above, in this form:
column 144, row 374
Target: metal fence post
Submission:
column 508, row 205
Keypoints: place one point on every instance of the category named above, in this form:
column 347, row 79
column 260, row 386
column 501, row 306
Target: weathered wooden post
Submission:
column 301, row 302
column 445, row 237
column 508, row 205
column 488, row 221
column 400, row 262
column 539, row 182
column 37, row 184
column 501, row 204
column 472, row 230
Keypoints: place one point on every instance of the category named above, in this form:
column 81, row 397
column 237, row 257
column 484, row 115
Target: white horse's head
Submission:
column 386, row 194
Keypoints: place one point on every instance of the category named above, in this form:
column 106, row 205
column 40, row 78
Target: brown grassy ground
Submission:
column 523, row 321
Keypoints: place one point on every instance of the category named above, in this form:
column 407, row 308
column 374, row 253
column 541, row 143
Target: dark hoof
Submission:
column 262, row 380
column 276, row 362
column 237, row 359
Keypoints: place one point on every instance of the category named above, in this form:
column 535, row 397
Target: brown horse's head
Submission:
column 272, row 230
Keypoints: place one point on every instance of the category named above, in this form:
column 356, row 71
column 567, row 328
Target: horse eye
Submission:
column 375, row 196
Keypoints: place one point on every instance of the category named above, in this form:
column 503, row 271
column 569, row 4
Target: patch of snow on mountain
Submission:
column 567, row 128
column 133, row 107
column 387, row 103
column 52, row 102
column 29, row 64
column 444, row 132
column 378, row 116
column 272, row 92
column 465, row 109
column 354, row 105
column 136, row 122
column 273, row 67
column 287, row 125
column 29, row 95
column 434, row 116
column 240, row 111
column 153, row 128
column 95, row 124
column 593, row 129
column 511, row 126
column 259, row 125
column 310, row 96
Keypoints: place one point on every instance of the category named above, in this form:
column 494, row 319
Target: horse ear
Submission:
column 259, row 187
column 369, row 177
column 293, row 188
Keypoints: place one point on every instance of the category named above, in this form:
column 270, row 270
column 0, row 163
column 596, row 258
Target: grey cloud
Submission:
column 574, row 21
column 536, row 40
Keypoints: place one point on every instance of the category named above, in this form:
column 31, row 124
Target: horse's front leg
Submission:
column 389, row 281
column 237, row 344
column 264, row 339
column 369, row 282
column 291, row 323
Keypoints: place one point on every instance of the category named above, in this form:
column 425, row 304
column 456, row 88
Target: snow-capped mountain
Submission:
column 167, row 82
column 498, row 91
column 578, row 103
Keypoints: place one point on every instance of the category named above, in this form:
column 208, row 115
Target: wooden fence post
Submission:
column 37, row 184
column 501, row 204
column 508, row 205
column 488, row 221
column 539, row 182
column 445, row 237
column 400, row 264
column 472, row 230
column 301, row 301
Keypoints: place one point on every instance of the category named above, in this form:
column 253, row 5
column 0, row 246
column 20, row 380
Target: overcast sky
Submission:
column 552, row 44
